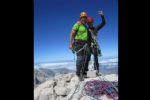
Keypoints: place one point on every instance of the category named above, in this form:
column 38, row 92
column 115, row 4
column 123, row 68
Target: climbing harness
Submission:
column 94, row 43
column 82, row 48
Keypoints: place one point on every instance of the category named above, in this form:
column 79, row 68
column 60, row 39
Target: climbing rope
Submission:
column 82, row 48
column 84, row 62
column 74, row 91
column 96, row 88
column 82, row 68
column 108, row 81
column 112, row 84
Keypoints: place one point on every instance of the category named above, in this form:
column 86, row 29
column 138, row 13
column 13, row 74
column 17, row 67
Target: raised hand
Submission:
column 100, row 12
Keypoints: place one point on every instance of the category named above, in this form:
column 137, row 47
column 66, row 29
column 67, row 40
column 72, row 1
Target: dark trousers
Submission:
column 83, row 58
column 96, row 64
column 95, row 53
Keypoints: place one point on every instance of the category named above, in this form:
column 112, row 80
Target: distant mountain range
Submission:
column 63, row 71
column 42, row 74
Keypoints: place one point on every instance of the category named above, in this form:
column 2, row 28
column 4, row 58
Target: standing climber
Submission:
column 95, row 49
column 79, row 35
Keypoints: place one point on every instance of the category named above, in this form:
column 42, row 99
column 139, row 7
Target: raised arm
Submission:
column 98, row 27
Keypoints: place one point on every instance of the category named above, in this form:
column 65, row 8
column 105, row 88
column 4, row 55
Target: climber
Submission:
column 79, row 42
column 95, row 49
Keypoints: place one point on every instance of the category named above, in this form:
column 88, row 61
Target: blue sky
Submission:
column 53, row 21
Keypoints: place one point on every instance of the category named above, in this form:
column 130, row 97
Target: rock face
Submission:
column 61, row 87
column 45, row 91
column 42, row 74
column 61, row 91
column 56, row 88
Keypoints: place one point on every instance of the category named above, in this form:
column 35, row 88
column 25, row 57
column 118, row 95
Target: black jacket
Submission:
column 96, row 28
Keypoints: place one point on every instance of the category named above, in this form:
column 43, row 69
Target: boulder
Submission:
column 61, row 91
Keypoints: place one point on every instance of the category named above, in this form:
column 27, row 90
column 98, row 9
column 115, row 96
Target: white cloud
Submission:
column 72, row 65
column 112, row 60
column 52, row 64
